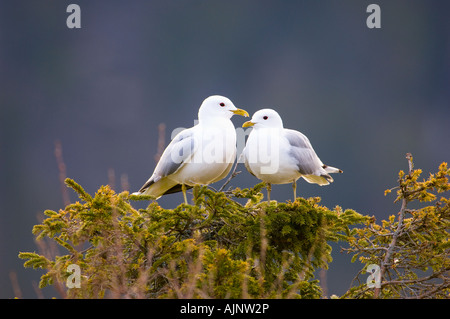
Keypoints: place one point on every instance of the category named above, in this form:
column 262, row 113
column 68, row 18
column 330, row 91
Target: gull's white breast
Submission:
column 267, row 155
column 214, row 154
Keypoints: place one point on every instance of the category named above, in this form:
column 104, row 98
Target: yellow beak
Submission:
column 248, row 124
column 240, row 112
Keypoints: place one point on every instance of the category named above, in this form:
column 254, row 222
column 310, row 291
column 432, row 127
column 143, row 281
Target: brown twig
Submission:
column 161, row 141
column 15, row 284
column 233, row 174
column 112, row 178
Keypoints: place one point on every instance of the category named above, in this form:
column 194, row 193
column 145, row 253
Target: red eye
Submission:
column 265, row 117
column 222, row 104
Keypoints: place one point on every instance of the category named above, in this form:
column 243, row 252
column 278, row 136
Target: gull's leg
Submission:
column 183, row 189
column 294, row 187
column 269, row 189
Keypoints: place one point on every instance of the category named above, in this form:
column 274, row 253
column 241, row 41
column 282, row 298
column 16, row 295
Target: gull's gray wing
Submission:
column 179, row 150
column 303, row 153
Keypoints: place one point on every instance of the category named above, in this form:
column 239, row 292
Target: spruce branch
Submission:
column 409, row 246
column 217, row 248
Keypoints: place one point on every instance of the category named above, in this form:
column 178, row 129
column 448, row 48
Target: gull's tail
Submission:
column 160, row 187
column 324, row 178
column 330, row 169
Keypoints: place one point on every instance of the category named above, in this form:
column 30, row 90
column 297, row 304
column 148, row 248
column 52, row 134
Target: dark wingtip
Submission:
column 327, row 177
column 145, row 186
column 175, row 189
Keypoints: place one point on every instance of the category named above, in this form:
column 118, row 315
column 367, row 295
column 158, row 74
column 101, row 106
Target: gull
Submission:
column 200, row 155
column 277, row 155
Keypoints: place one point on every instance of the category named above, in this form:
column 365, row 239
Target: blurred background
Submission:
column 364, row 97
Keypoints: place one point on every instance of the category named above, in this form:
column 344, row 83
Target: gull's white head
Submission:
column 219, row 106
column 265, row 118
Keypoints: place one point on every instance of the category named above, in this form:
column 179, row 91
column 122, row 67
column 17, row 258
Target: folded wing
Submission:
column 306, row 159
column 176, row 154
